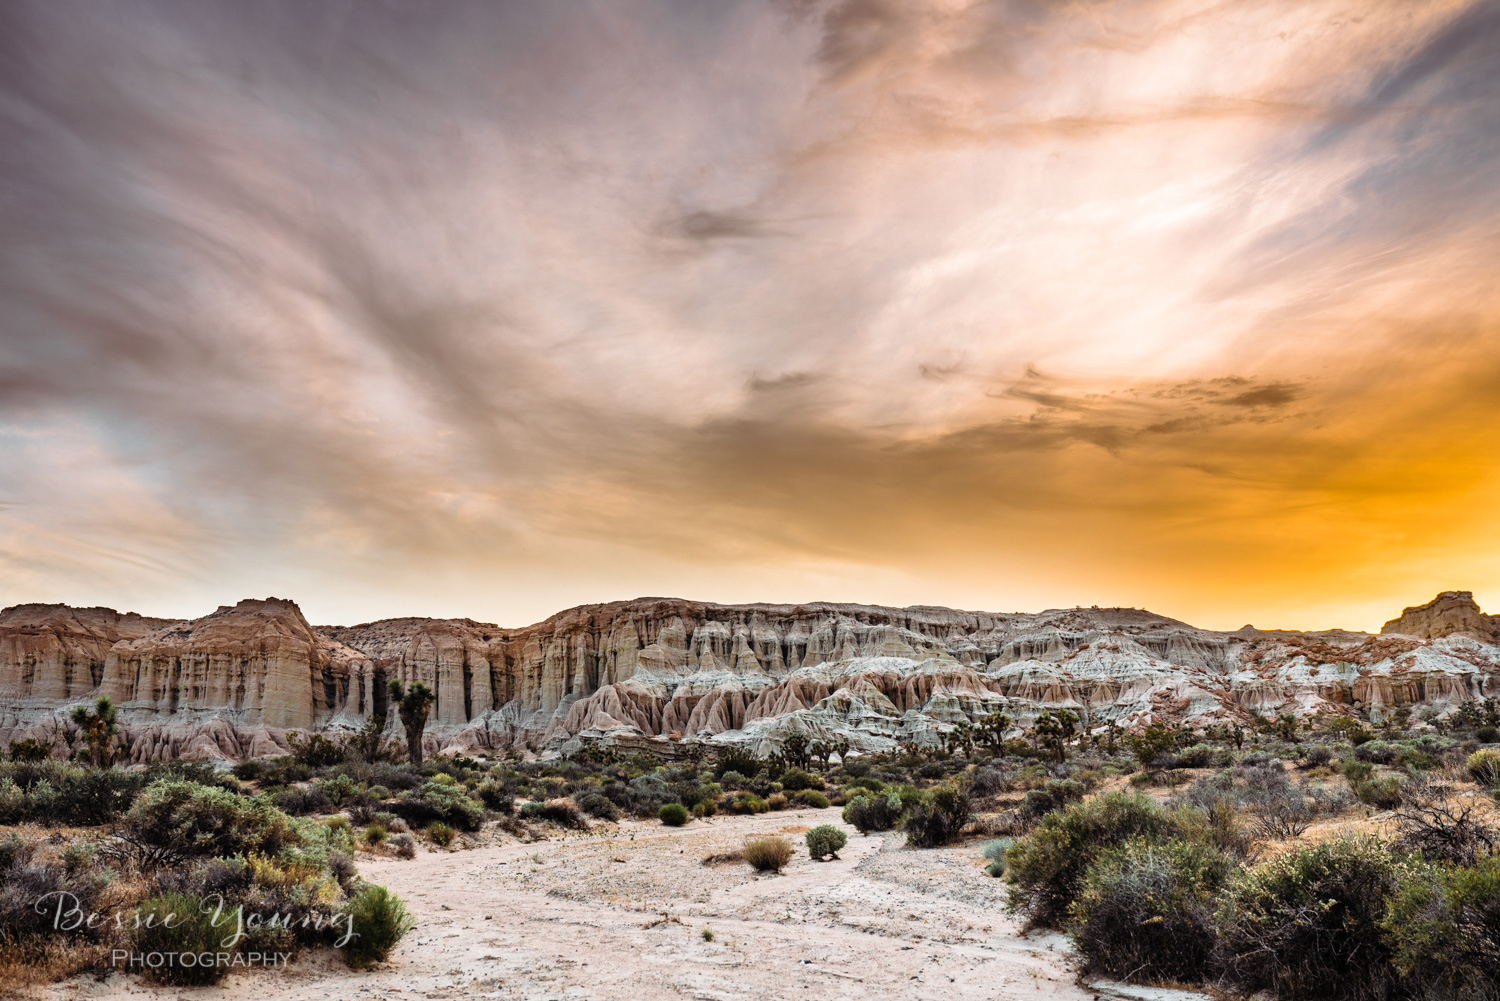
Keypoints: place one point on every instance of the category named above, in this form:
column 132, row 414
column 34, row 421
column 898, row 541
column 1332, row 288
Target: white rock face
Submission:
column 234, row 684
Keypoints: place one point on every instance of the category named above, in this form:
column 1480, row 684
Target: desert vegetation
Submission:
column 1334, row 857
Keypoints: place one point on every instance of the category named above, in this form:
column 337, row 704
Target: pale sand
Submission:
column 882, row 921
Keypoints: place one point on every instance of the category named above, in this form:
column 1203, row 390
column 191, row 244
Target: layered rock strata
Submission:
column 234, row 684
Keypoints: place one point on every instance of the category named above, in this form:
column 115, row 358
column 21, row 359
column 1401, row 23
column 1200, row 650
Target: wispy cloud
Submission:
column 498, row 307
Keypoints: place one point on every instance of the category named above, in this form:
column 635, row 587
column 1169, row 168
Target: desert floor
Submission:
column 620, row 913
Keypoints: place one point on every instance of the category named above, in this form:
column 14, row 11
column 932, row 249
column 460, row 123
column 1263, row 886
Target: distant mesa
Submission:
column 1452, row 613
column 661, row 672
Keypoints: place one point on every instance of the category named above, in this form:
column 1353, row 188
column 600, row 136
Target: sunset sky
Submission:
column 487, row 309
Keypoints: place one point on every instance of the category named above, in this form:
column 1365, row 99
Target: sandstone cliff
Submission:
column 235, row 682
column 1450, row 613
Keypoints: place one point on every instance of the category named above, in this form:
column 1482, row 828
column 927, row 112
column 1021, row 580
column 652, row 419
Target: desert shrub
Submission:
column 340, row 789
column 558, row 811
column 181, row 923
column 1053, row 795
column 496, row 797
column 60, row 792
column 1487, row 734
column 873, row 813
column 404, row 845
column 1484, row 766
column 399, row 777
column 375, row 833
column 732, row 780
column 379, row 920
column 736, row 759
column 768, row 854
column 337, row 822
column 1146, row 909
column 994, row 854
column 1382, row 792
column 812, row 798
column 175, row 818
column 1377, row 752
column 707, row 808
column 747, row 802
column 250, row 770
column 1046, row 869
column 1355, row 770
column 1317, row 756
column 15, row 850
column 1442, row 927
column 31, row 894
column 987, row 782
column 439, row 801
column 795, row 779
column 938, row 818
column 596, row 804
column 299, row 801
column 825, row 840
column 776, row 801
column 315, row 751
column 1444, row 831
column 441, row 834
column 673, row 814
column 1306, row 924
column 1199, row 756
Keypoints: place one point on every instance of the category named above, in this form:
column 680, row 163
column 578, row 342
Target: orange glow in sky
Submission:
column 497, row 309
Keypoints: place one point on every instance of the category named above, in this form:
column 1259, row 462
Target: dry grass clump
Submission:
column 768, row 854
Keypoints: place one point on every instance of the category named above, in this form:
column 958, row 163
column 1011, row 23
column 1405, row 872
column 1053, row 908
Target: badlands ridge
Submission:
column 233, row 684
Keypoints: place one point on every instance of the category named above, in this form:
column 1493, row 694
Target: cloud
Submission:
column 1013, row 302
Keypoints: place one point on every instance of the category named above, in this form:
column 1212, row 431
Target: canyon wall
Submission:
column 235, row 683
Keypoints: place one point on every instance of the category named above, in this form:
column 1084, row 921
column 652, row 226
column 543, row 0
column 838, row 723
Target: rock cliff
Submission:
column 236, row 682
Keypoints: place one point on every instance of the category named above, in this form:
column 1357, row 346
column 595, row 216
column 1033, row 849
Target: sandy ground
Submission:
column 620, row 912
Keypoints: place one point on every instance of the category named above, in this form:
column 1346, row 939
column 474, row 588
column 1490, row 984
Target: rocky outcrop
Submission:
column 235, row 683
column 1452, row 613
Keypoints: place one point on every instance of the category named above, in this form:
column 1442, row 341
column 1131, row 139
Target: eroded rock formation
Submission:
column 235, row 683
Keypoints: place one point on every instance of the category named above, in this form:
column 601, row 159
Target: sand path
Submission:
column 619, row 913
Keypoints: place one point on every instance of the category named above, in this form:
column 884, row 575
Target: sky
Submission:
column 491, row 309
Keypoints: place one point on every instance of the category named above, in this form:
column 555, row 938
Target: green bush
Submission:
column 440, row 801
column 1307, row 924
column 939, row 818
column 873, row 813
column 1487, row 734
column 994, row 853
column 795, row 779
column 768, row 854
column 192, row 819
column 812, row 798
column 1146, row 910
column 493, row 795
column 597, row 805
column 558, row 811
column 1382, row 792
column 673, row 814
column 1046, row 869
column 441, row 834
column 1443, row 931
column 182, row 923
column 1053, row 795
column 825, row 840
column 748, row 802
column 1484, row 765
column 379, row 920
column 375, row 833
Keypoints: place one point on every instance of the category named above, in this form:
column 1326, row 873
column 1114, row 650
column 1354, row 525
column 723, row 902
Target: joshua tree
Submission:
column 413, row 704
column 992, row 729
column 795, row 750
column 1054, row 729
column 98, row 726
